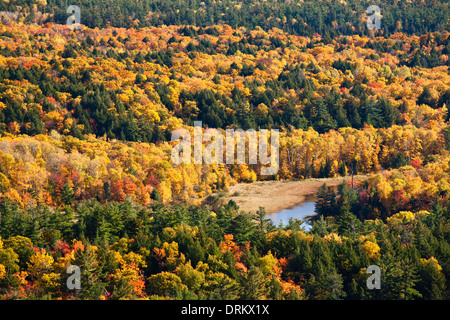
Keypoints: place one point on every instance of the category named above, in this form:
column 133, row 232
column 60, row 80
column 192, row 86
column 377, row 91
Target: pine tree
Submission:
column 320, row 204
column 343, row 169
column 388, row 113
column 426, row 98
column 347, row 224
column 305, row 257
column 275, row 290
column 107, row 190
column 242, row 227
column 400, row 278
column 92, row 285
column 260, row 217
column 67, row 194
column 254, row 285
column 325, row 202
column 155, row 195
column 432, row 284
column 323, row 121
column 333, row 286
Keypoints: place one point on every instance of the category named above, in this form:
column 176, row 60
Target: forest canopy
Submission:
column 304, row 18
column 86, row 177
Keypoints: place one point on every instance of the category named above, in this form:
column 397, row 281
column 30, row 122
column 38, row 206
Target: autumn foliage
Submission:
column 86, row 176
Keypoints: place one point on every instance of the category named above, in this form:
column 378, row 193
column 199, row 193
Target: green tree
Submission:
column 275, row 290
column 253, row 285
column 426, row 98
column 21, row 245
column 92, row 278
column 432, row 283
column 400, row 278
column 67, row 194
column 155, row 195
column 165, row 284
column 242, row 227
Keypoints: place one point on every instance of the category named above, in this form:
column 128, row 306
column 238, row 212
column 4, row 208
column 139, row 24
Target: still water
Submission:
column 299, row 211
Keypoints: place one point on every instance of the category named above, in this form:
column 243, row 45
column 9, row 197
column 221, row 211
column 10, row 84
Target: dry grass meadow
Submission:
column 278, row 195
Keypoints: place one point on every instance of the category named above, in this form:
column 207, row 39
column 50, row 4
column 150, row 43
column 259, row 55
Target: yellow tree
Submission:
column 40, row 269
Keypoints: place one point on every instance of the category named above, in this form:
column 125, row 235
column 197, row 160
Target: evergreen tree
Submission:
column 275, row 290
column 242, row 227
column 426, row 98
column 92, row 285
column 325, row 202
column 332, row 286
column 432, row 282
column 155, row 195
column 253, row 285
column 323, row 121
column 261, row 220
column 400, row 278
column 67, row 194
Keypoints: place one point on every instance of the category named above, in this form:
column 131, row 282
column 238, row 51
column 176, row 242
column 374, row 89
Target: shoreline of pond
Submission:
column 275, row 196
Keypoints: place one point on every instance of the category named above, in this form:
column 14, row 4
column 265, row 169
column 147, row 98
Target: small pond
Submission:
column 298, row 211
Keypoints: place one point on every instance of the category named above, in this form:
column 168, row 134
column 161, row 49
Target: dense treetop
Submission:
column 306, row 17
column 93, row 110
column 86, row 176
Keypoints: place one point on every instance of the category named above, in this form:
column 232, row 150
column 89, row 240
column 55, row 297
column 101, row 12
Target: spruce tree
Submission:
column 92, row 283
column 254, row 285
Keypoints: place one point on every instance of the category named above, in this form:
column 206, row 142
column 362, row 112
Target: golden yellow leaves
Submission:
column 2, row 267
column 54, row 120
column 433, row 262
column 400, row 217
column 303, row 236
column 269, row 265
column 332, row 237
column 168, row 255
column 40, row 269
column 41, row 2
column 372, row 249
column 262, row 111
column 405, row 217
column 2, row 271
column 193, row 278
column 182, row 228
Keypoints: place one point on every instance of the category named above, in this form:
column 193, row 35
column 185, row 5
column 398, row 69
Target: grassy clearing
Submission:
column 278, row 195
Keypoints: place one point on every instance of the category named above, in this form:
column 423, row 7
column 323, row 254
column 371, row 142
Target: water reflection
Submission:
column 300, row 211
